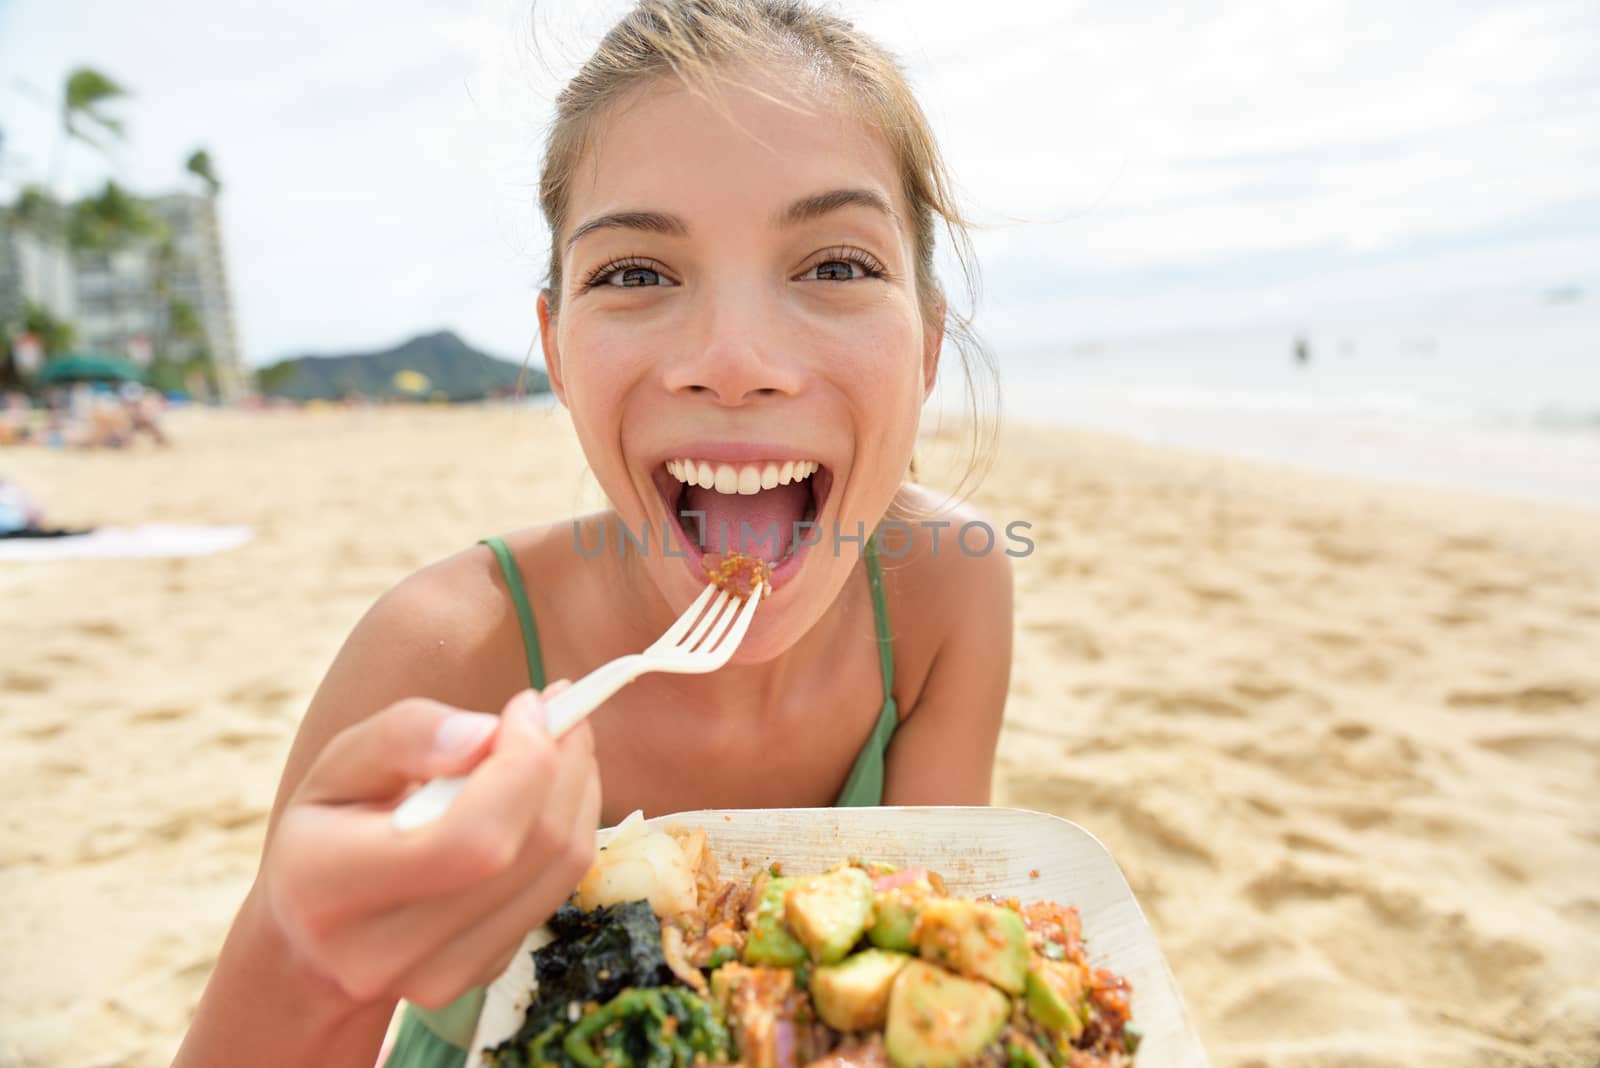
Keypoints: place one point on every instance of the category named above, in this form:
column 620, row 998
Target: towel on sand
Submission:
column 109, row 543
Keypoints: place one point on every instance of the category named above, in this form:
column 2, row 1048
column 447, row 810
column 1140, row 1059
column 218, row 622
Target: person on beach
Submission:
column 743, row 321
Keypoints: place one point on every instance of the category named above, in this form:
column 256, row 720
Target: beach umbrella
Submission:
column 89, row 367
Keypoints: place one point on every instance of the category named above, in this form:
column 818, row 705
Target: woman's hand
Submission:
column 428, row 913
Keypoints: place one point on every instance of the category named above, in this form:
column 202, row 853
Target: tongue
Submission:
column 756, row 524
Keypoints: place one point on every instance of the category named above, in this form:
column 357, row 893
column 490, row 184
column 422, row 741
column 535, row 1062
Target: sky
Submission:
column 1134, row 167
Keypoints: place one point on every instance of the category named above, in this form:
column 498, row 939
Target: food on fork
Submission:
column 737, row 573
column 661, row 961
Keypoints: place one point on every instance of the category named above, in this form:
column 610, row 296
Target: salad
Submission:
column 659, row 962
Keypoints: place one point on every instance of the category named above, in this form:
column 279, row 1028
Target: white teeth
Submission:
column 740, row 478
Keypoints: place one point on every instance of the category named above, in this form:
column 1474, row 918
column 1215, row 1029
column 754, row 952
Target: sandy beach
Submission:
column 1343, row 737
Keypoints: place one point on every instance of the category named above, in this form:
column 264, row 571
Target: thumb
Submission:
column 409, row 741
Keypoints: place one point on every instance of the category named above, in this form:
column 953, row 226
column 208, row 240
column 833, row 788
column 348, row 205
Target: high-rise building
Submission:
column 201, row 279
column 38, row 271
column 122, row 301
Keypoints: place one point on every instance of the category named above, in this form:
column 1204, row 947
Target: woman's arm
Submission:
column 263, row 1006
column 943, row 752
column 347, row 915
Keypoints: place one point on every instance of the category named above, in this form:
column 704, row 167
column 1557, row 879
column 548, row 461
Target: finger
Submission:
column 355, row 861
column 408, row 742
column 478, row 954
column 442, row 939
column 529, row 909
column 501, row 798
column 558, row 835
column 347, row 864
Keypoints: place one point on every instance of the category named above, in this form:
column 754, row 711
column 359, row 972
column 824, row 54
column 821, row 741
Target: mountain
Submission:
column 452, row 367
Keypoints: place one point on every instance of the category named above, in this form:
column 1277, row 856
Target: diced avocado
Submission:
column 894, row 908
column 829, row 912
column 939, row 1020
column 1055, row 996
column 853, row 995
column 770, row 941
column 975, row 939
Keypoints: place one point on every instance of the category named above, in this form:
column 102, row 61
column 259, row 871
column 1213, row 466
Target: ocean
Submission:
column 1493, row 399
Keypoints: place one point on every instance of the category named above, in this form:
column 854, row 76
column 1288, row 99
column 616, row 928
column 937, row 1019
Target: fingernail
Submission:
column 463, row 732
column 527, row 705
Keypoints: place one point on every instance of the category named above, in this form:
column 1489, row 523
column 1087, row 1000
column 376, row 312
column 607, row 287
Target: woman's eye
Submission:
column 633, row 276
column 839, row 270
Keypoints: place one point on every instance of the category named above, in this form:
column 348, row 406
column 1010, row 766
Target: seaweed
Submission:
column 594, row 957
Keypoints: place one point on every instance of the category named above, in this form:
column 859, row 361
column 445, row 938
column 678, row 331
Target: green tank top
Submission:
column 437, row 1038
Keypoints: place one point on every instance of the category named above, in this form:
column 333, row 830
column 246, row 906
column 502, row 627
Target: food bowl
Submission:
column 1008, row 852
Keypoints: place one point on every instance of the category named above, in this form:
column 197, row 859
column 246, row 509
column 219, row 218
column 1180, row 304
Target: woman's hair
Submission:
column 702, row 41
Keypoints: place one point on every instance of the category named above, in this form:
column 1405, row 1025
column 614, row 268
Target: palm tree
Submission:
column 86, row 93
column 35, row 212
column 110, row 220
column 101, row 225
column 55, row 335
column 199, row 164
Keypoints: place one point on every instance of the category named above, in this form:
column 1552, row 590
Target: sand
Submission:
column 1344, row 738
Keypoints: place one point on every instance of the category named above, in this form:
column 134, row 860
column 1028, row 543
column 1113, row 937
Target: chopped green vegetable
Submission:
column 1021, row 1056
column 663, row 1027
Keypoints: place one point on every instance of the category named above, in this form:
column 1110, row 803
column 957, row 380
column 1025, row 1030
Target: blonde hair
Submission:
column 697, row 41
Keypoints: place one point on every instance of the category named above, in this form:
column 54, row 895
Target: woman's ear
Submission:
column 932, row 345
column 547, row 342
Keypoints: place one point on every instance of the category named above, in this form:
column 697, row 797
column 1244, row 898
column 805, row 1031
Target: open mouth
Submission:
column 759, row 509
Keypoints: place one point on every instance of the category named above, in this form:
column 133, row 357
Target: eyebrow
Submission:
column 813, row 207
column 653, row 222
column 803, row 210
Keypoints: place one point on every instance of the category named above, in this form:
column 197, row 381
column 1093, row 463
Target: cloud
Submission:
column 380, row 159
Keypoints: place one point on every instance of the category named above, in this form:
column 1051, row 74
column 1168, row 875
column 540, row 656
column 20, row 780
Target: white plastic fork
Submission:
column 687, row 648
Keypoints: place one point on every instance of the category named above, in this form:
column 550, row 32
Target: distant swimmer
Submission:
column 1302, row 350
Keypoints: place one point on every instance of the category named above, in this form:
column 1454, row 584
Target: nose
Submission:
column 736, row 352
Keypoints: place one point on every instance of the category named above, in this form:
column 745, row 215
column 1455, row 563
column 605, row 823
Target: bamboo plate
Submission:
column 978, row 851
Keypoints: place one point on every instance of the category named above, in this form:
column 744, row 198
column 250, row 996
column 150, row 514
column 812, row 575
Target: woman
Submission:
column 743, row 321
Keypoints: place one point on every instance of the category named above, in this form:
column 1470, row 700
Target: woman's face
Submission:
column 738, row 306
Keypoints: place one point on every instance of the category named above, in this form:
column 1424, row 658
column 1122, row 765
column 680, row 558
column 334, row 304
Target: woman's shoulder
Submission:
column 939, row 553
column 449, row 630
column 947, row 576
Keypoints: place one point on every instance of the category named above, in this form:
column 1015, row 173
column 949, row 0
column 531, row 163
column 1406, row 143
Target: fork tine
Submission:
column 722, row 645
column 676, row 632
column 714, row 613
